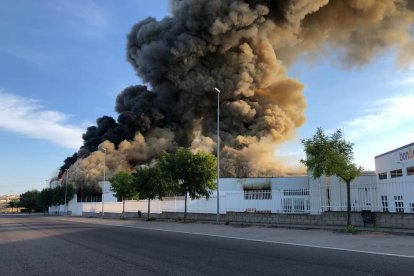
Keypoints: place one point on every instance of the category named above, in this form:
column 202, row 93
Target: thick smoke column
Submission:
column 210, row 44
column 243, row 48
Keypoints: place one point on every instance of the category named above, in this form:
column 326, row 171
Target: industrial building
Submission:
column 395, row 179
column 388, row 189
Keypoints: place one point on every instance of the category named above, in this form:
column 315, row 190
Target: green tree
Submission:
column 70, row 194
column 30, row 200
column 14, row 203
column 332, row 155
column 123, row 187
column 46, row 199
column 58, row 195
column 190, row 173
column 150, row 183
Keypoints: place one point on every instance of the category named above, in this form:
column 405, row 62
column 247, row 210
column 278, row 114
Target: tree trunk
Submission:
column 123, row 207
column 149, row 209
column 185, row 207
column 348, row 199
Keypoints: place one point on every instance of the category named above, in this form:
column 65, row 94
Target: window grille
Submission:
column 410, row 171
column 89, row 198
column 296, row 192
column 295, row 205
column 257, row 194
column 382, row 176
column 396, row 173
column 399, row 204
column 384, row 200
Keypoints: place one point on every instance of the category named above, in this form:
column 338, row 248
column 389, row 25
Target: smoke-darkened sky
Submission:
column 63, row 65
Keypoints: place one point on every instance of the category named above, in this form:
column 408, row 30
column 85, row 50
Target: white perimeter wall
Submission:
column 301, row 194
column 231, row 199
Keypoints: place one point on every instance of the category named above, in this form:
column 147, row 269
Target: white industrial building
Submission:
column 389, row 189
column 395, row 179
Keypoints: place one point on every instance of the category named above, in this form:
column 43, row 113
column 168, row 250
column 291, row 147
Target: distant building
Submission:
column 7, row 198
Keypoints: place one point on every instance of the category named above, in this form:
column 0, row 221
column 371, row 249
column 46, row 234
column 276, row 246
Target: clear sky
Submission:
column 62, row 63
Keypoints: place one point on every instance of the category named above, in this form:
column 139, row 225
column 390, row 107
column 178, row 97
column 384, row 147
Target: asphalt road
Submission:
column 51, row 246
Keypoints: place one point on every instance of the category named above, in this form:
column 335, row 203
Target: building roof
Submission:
column 397, row 149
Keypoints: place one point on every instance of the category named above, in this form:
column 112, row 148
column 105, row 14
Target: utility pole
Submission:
column 66, row 191
column 103, row 185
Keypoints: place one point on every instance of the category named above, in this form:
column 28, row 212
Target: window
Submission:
column 257, row 194
column 296, row 192
column 396, row 173
column 89, row 198
column 399, row 204
column 384, row 200
column 382, row 176
column 410, row 171
column 412, row 207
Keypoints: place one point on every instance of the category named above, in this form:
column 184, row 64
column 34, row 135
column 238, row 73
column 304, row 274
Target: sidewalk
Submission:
column 395, row 231
column 372, row 242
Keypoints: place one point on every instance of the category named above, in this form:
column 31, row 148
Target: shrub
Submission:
column 350, row 229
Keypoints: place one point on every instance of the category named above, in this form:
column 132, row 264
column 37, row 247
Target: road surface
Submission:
column 37, row 245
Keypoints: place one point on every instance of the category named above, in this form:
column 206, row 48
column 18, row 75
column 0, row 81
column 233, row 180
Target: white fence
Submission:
column 276, row 201
column 279, row 201
column 362, row 198
column 396, row 196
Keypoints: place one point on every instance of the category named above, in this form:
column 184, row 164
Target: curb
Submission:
column 393, row 231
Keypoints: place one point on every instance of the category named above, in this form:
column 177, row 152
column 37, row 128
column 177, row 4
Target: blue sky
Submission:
column 62, row 63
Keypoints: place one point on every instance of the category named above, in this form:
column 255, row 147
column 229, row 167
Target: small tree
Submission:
column 332, row 155
column 123, row 187
column 46, row 199
column 70, row 194
column 189, row 173
column 14, row 203
column 58, row 196
column 30, row 200
column 150, row 183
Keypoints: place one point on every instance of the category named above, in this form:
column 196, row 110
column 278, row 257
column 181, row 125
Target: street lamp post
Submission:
column 66, row 190
column 218, row 153
column 103, row 186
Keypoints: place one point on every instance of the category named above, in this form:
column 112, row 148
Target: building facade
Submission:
column 388, row 189
column 395, row 179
